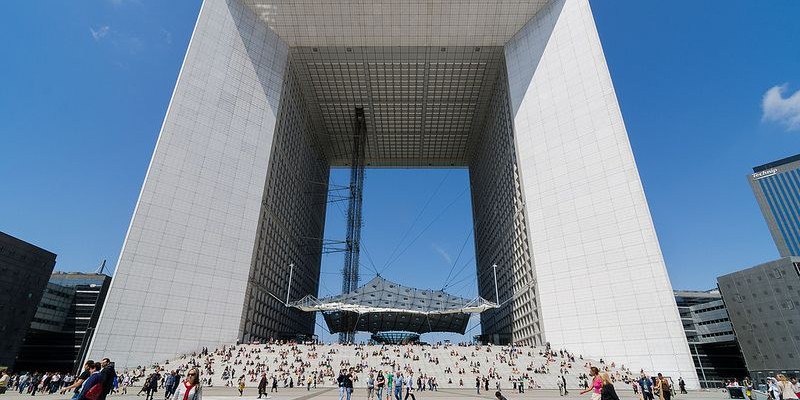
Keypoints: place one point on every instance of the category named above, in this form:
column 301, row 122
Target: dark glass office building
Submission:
column 711, row 338
column 777, row 189
column 62, row 328
column 763, row 304
column 24, row 270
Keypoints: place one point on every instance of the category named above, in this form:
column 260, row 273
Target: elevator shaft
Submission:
column 354, row 222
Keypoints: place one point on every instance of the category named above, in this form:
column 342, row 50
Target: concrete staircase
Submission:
column 457, row 364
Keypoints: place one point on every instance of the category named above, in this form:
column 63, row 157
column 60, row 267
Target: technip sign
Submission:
column 764, row 174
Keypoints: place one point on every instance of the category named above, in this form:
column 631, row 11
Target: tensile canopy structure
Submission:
column 382, row 305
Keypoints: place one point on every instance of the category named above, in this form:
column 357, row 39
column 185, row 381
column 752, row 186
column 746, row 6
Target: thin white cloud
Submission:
column 443, row 253
column 780, row 109
column 167, row 36
column 100, row 33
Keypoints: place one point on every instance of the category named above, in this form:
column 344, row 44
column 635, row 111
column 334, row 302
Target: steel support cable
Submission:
column 477, row 224
column 414, row 222
column 397, row 257
column 473, row 327
column 369, row 258
column 465, row 286
column 453, row 282
column 458, row 257
column 367, row 266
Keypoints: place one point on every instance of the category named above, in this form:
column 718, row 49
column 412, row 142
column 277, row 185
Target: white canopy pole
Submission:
column 496, row 292
column 289, row 288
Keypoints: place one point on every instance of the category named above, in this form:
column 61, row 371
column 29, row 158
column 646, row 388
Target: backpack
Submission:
column 94, row 392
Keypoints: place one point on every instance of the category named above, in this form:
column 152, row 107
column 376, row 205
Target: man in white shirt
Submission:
column 55, row 383
column 410, row 386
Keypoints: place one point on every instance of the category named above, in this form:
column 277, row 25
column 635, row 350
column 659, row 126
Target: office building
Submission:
column 65, row 319
column 777, row 189
column 712, row 341
column 24, row 269
column 763, row 304
column 517, row 92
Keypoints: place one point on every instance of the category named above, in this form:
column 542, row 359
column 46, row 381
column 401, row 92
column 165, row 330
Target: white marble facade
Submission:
column 181, row 278
column 585, row 242
column 603, row 288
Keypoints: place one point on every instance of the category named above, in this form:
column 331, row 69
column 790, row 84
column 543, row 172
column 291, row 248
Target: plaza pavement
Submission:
column 222, row 393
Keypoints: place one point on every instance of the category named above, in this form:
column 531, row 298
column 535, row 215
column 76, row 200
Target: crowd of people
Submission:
column 288, row 365
column 276, row 365
column 394, row 371
column 98, row 380
column 779, row 387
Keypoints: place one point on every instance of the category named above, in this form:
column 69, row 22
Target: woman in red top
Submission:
column 190, row 388
column 596, row 385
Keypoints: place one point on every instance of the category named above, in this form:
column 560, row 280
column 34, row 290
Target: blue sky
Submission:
column 86, row 86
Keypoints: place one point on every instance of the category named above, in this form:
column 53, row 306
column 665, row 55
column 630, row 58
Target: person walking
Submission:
column 410, row 386
column 190, row 388
column 145, row 386
column 126, row 381
column 345, row 381
column 682, row 386
column 478, row 384
column 664, row 388
column 169, row 383
column 380, row 382
column 93, row 385
column 23, row 382
column 370, row 386
column 562, row 386
column 76, row 386
column 646, row 385
column 398, row 386
column 597, row 384
column 108, row 375
column 389, row 384
column 33, row 383
column 796, row 386
column 4, row 378
column 786, row 388
column 241, row 385
column 348, row 383
column 152, row 385
column 262, row 385
column 274, row 384
column 773, row 390
column 607, row 391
